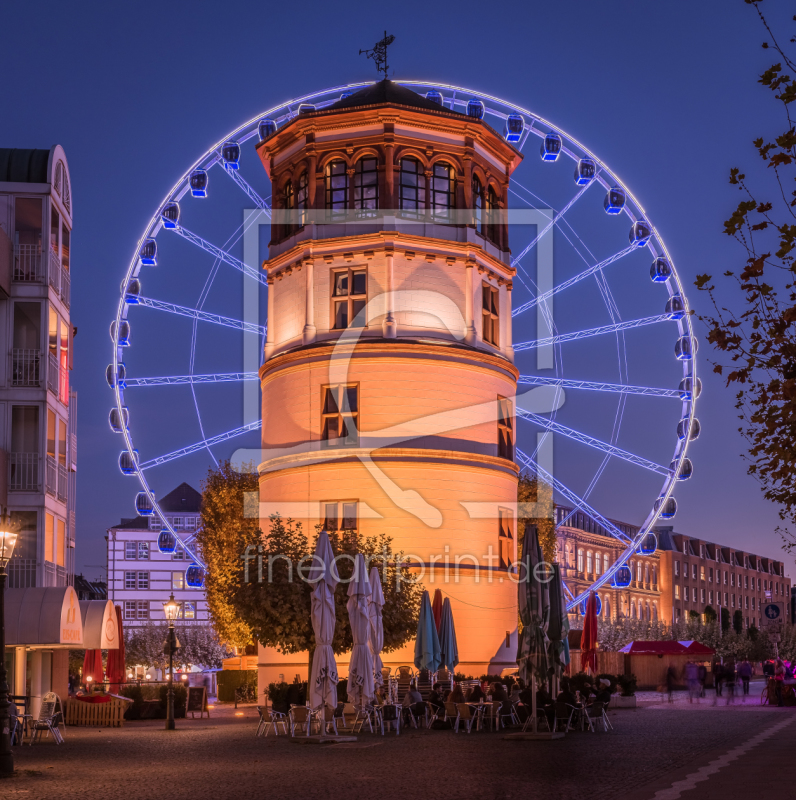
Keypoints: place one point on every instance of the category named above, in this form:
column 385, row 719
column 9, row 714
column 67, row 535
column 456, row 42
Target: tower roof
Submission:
column 388, row 93
column 24, row 166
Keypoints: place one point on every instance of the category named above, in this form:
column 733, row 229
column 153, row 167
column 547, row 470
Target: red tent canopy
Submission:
column 92, row 666
column 588, row 640
column 116, row 673
column 664, row 648
column 698, row 649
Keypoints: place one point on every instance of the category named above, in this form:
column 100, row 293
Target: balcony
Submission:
column 24, row 474
column 21, row 573
column 54, row 272
column 51, row 475
column 66, row 286
column 63, row 483
column 25, row 367
column 28, row 264
column 57, row 379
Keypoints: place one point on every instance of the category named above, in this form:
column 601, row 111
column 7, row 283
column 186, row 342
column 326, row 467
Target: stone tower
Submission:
column 388, row 380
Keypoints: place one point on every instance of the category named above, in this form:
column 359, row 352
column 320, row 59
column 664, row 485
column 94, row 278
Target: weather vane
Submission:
column 379, row 53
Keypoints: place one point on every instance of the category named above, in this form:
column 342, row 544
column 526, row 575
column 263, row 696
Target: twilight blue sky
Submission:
column 665, row 93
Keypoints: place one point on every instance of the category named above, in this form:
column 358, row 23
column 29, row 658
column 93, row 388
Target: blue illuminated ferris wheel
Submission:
column 599, row 313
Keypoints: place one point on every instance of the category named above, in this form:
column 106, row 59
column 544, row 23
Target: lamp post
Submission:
column 171, row 608
column 8, row 538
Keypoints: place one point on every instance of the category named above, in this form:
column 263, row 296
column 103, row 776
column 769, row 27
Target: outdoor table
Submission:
column 479, row 708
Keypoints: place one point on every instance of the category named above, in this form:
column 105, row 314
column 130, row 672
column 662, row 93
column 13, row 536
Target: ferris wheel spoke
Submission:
column 554, row 221
column 186, row 451
column 618, row 388
column 591, row 332
column 573, row 498
column 250, row 192
column 572, row 281
column 204, row 316
column 597, row 444
column 222, row 255
column 178, row 380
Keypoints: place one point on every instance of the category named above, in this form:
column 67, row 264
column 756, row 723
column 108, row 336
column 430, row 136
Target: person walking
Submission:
column 745, row 674
column 692, row 681
column 779, row 680
column 702, row 677
column 671, row 682
column 718, row 677
column 730, row 681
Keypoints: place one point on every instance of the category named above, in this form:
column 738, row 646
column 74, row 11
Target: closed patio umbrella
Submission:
column 588, row 639
column 322, row 576
column 534, row 607
column 436, row 607
column 449, row 650
column 427, row 650
column 558, row 629
column 92, row 666
column 361, row 688
column 116, row 673
column 376, row 635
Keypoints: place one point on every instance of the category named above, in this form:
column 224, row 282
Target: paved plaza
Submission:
column 705, row 750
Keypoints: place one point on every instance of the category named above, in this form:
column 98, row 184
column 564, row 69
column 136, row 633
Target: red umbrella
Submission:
column 588, row 640
column 436, row 609
column 92, row 666
column 116, row 672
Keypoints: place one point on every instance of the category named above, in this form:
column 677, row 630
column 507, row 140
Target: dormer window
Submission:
column 412, row 188
column 336, row 189
column 366, row 187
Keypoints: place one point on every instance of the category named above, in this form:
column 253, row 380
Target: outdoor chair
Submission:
column 49, row 720
column 326, row 716
column 433, row 711
column 300, row 719
column 16, row 730
column 424, row 683
column 365, row 714
column 350, row 717
column 269, row 720
column 508, row 716
column 390, row 713
column 385, row 675
column 467, row 715
column 418, row 711
column 596, row 713
column 564, row 713
column 491, row 714
column 541, row 717
column 452, row 714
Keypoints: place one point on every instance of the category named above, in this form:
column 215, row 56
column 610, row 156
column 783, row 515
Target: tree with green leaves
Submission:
column 535, row 507
column 756, row 331
column 737, row 621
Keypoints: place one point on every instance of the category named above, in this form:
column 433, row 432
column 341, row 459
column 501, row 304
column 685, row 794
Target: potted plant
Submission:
column 277, row 695
column 627, row 697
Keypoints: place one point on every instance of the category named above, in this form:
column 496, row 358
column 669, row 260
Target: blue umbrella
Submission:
column 447, row 638
column 427, row 650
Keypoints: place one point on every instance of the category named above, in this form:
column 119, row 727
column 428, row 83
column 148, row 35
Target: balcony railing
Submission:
column 53, row 373
column 65, row 287
column 51, row 475
column 28, row 264
column 21, row 573
column 63, row 483
column 54, row 271
column 25, row 369
column 24, row 474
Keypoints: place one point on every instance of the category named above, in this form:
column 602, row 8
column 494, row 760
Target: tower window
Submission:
column 349, row 296
column 336, row 188
column 442, row 188
column 340, row 415
column 289, row 204
column 302, row 196
column 340, row 515
column 366, row 187
column 505, row 429
column 412, row 187
column 491, row 316
column 478, row 204
column 492, row 216
column 505, row 538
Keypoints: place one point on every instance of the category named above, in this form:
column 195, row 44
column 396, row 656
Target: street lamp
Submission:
column 8, row 538
column 171, row 608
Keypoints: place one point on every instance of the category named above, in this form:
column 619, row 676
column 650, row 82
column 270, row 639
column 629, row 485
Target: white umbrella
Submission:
column 323, row 678
column 361, row 688
column 376, row 624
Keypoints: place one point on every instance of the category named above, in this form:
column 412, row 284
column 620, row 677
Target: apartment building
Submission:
column 38, row 443
column 696, row 573
column 141, row 577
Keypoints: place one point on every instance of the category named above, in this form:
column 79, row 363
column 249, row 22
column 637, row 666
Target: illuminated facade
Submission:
column 388, row 383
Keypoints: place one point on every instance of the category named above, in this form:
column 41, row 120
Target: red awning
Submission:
column 698, row 649
column 666, row 648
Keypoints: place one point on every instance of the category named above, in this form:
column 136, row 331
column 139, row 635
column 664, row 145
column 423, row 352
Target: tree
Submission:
column 757, row 333
column 737, row 621
column 199, row 646
column 273, row 596
column 710, row 614
column 693, row 615
column 725, row 619
column 535, row 507
column 220, row 540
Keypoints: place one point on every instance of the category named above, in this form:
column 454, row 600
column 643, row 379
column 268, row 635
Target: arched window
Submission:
column 411, row 188
column 654, row 576
column 302, row 196
column 590, row 562
column 580, row 560
column 638, row 572
column 655, row 612
column 442, row 189
column 492, row 216
column 606, row 563
column 336, row 188
column 478, row 204
column 632, row 609
column 366, row 187
column 607, row 607
column 646, row 573
column 647, row 611
column 289, row 204
column 596, row 563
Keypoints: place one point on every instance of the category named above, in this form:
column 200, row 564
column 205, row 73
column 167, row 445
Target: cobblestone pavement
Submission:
column 649, row 748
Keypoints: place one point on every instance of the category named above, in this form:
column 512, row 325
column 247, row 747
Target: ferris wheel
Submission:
column 599, row 313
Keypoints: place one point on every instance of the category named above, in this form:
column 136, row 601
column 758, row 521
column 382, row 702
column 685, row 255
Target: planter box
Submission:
column 617, row 701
